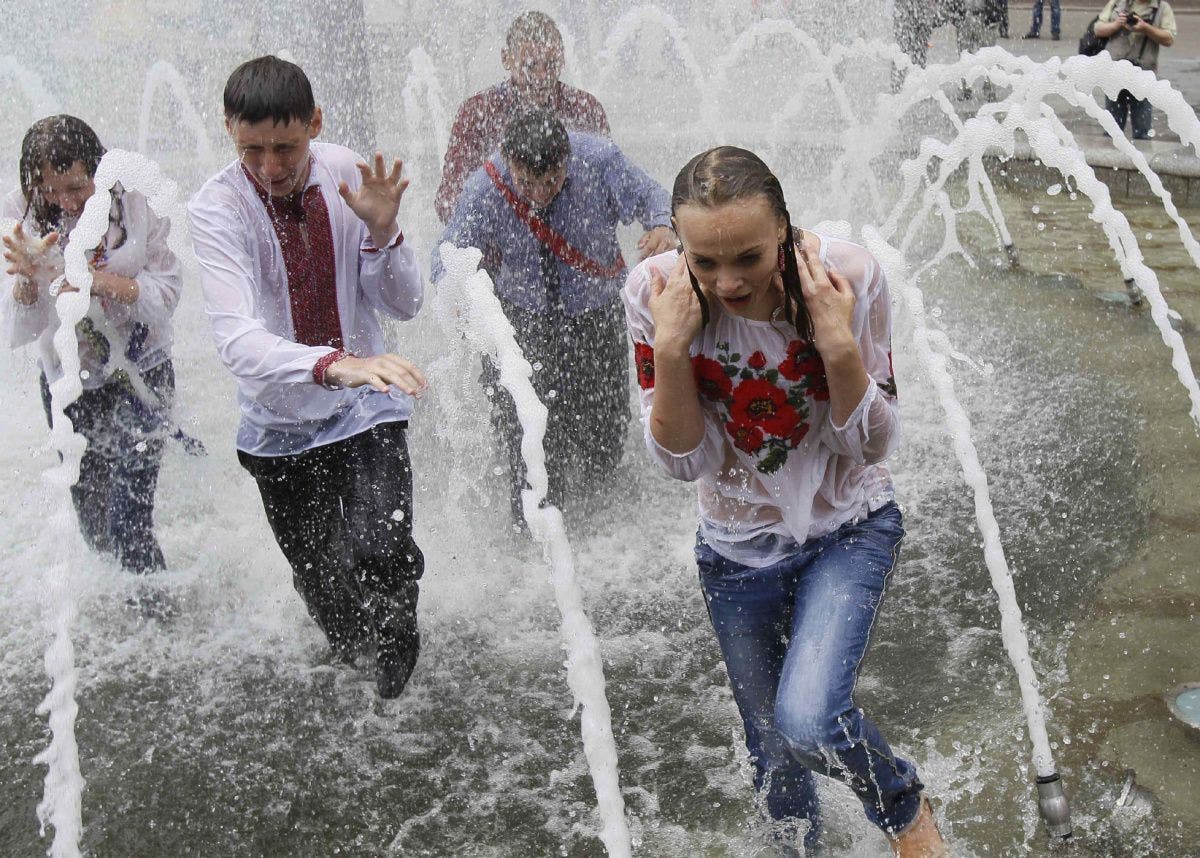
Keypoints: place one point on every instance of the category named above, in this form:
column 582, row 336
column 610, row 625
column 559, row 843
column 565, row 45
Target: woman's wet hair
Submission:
column 268, row 88
column 725, row 174
column 58, row 142
column 536, row 141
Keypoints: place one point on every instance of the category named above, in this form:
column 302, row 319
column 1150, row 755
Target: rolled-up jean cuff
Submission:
column 901, row 814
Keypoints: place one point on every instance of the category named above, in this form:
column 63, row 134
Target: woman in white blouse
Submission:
column 124, row 341
column 764, row 362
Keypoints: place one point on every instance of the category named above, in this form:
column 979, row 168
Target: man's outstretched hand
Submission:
column 377, row 199
column 380, row 372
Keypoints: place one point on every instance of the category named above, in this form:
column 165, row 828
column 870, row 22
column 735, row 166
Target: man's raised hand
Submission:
column 377, row 199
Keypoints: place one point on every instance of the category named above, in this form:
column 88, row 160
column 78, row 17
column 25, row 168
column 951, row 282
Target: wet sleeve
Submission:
column 468, row 225
column 638, row 196
column 463, row 154
column 160, row 282
column 872, row 431
column 709, row 454
column 259, row 358
column 389, row 277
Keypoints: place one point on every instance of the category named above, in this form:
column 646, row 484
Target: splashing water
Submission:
column 467, row 306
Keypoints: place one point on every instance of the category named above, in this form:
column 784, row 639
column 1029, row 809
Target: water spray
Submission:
column 1052, row 799
column 466, row 304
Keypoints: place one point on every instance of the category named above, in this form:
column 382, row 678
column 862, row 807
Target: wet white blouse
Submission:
column 773, row 470
column 242, row 272
column 143, row 256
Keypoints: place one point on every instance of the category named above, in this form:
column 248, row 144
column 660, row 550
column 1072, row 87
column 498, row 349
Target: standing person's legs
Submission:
column 1119, row 108
column 837, row 598
column 595, row 375
column 1055, row 18
column 751, row 613
column 302, row 497
column 1141, row 117
column 532, row 332
column 387, row 562
column 1035, row 27
column 139, row 428
column 89, row 415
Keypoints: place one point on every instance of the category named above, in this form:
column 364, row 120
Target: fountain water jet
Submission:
column 467, row 306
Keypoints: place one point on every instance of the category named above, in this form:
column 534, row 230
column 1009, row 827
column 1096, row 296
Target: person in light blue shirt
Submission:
column 544, row 211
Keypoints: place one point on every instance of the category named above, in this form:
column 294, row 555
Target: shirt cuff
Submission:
column 319, row 368
column 368, row 246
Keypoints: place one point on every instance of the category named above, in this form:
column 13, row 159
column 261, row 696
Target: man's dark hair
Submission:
column 268, row 88
column 536, row 141
column 532, row 28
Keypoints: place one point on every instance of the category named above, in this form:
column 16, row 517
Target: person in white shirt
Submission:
column 124, row 340
column 764, row 365
column 299, row 250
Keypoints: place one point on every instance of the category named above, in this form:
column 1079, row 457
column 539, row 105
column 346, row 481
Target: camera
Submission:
column 1132, row 19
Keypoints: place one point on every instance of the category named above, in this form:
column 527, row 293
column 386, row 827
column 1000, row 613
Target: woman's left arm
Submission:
column 152, row 294
column 863, row 415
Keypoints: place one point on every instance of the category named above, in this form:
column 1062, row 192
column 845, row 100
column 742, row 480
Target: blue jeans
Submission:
column 1055, row 17
column 1138, row 110
column 118, row 474
column 793, row 635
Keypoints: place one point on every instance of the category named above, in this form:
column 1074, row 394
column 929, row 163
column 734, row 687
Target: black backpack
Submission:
column 1091, row 44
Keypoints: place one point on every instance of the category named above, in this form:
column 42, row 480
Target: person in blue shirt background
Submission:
column 544, row 211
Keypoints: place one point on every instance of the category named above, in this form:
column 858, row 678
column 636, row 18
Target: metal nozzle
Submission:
column 1132, row 290
column 1013, row 260
column 1054, row 807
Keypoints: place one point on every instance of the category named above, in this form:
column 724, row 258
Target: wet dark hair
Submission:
column 59, row 141
column 532, row 28
column 268, row 88
column 725, row 174
column 536, row 141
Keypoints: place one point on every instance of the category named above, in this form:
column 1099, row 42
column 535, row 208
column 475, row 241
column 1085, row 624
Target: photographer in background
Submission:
column 1135, row 31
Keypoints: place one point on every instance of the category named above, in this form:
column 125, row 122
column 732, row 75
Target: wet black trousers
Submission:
column 581, row 373
column 118, row 474
column 342, row 514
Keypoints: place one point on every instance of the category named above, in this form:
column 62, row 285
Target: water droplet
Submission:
column 551, row 394
column 1054, row 190
column 397, row 515
column 140, row 446
column 84, row 374
column 1036, row 209
column 498, row 471
column 1149, row 236
column 1041, row 226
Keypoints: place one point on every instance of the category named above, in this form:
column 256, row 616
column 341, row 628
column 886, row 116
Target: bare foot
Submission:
column 921, row 839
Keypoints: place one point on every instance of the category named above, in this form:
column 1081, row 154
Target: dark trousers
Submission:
column 581, row 374
column 118, row 474
column 1138, row 109
column 342, row 514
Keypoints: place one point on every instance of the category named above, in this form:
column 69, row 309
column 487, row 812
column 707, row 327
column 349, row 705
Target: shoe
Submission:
column 921, row 839
column 1056, row 37
column 394, row 663
column 1031, row 35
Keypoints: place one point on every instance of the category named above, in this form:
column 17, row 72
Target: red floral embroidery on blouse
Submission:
column 643, row 359
column 748, row 439
column 712, row 380
column 758, row 402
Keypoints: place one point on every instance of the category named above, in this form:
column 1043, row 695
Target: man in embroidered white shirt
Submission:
column 299, row 249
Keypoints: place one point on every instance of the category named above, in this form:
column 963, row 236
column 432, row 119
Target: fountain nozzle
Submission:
column 1014, row 260
column 1054, row 807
